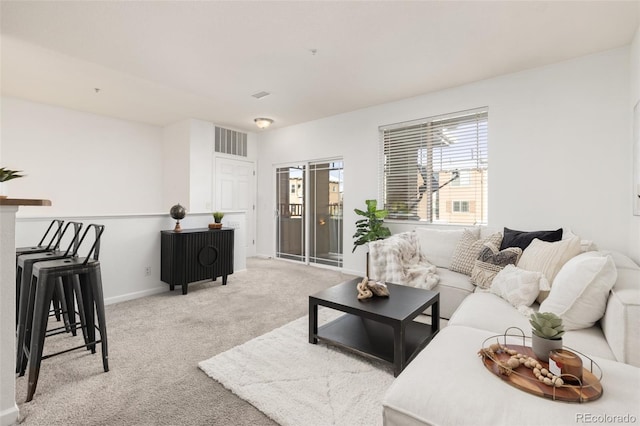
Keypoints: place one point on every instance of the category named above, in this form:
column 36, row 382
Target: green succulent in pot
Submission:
column 546, row 325
column 547, row 332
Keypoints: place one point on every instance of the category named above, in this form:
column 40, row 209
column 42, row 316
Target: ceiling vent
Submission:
column 230, row 142
column 260, row 95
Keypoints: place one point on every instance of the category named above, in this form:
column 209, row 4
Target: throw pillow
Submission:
column 491, row 261
column 522, row 239
column 438, row 245
column 468, row 249
column 580, row 291
column 517, row 286
column 585, row 245
column 548, row 258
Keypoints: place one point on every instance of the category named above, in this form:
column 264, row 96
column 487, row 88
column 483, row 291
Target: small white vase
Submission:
column 541, row 347
column 3, row 189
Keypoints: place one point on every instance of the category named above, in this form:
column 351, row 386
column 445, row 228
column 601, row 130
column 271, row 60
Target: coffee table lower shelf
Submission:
column 374, row 339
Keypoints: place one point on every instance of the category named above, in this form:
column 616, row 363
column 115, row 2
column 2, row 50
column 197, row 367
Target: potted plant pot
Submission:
column 541, row 346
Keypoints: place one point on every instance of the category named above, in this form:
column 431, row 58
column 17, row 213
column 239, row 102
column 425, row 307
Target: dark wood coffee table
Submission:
column 380, row 327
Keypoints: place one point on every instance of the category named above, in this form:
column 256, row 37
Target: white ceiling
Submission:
column 161, row 62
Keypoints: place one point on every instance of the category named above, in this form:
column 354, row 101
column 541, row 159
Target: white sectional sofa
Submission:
column 447, row 384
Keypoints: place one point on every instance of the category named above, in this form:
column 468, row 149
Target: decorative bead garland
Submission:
column 518, row 359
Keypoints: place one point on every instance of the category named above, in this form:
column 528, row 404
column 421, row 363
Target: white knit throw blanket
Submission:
column 398, row 260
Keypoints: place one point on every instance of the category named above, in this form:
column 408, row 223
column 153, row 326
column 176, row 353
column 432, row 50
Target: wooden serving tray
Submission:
column 523, row 378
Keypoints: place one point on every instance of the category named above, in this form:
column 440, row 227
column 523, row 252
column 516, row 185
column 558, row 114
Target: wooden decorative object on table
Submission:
column 215, row 225
column 367, row 289
column 517, row 365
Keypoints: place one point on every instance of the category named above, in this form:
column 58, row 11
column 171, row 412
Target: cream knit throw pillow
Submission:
column 548, row 258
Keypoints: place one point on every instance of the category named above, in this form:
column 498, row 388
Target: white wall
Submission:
column 558, row 150
column 202, row 139
column 85, row 163
column 129, row 245
column 634, row 74
column 122, row 174
column 176, row 155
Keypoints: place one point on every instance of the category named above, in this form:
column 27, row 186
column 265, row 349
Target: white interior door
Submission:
column 235, row 191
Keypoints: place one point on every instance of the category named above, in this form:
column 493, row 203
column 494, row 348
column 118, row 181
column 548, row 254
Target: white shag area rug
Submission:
column 296, row 383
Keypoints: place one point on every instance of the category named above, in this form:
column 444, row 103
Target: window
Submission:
column 461, row 207
column 293, row 189
column 436, row 169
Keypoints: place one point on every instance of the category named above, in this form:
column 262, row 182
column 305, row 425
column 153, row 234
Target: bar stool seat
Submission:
column 87, row 279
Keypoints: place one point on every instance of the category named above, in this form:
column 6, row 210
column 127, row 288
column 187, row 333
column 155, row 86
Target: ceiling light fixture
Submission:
column 263, row 123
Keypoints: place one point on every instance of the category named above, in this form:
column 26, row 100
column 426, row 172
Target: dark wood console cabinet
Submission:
column 195, row 255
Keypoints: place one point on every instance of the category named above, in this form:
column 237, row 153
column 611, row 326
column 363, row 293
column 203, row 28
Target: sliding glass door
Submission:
column 309, row 200
column 326, row 188
column 290, row 212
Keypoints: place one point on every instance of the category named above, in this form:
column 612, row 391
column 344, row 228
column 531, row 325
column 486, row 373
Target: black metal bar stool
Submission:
column 40, row 248
column 85, row 271
column 63, row 293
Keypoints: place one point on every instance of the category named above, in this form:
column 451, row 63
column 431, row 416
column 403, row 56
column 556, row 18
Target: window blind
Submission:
column 436, row 169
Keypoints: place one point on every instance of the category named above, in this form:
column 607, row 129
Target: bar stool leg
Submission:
column 44, row 295
column 63, row 312
column 83, row 320
column 18, row 288
column 23, row 303
column 56, row 305
column 67, row 285
column 96, row 287
column 28, row 324
column 89, row 312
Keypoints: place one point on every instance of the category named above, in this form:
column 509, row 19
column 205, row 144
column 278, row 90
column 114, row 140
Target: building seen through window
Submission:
column 436, row 169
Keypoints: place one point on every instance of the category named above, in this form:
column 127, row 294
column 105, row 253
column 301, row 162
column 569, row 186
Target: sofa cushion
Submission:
column 468, row 249
column 548, row 258
column 453, row 288
column 517, row 286
column 522, row 239
column 489, row 312
column 490, row 261
column 580, row 290
column 447, row 384
column 438, row 245
column 622, row 316
column 621, row 260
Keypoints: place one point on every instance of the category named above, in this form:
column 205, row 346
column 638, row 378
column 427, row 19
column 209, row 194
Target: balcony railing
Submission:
column 297, row 210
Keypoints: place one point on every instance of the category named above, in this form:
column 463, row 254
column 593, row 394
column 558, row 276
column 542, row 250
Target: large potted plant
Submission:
column 371, row 228
column 5, row 176
column 547, row 331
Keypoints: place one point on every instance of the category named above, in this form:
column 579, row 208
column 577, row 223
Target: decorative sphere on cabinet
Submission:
column 177, row 212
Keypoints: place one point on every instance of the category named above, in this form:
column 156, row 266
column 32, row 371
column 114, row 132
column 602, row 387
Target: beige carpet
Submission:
column 155, row 345
column 297, row 383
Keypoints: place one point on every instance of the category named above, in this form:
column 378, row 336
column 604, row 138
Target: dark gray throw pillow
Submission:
column 522, row 239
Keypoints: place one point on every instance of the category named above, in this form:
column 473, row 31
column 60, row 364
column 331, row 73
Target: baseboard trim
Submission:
column 135, row 295
column 9, row 416
column 149, row 292
column 353, row 272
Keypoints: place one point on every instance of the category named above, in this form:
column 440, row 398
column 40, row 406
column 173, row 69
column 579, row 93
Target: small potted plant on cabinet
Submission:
column 217, row 219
